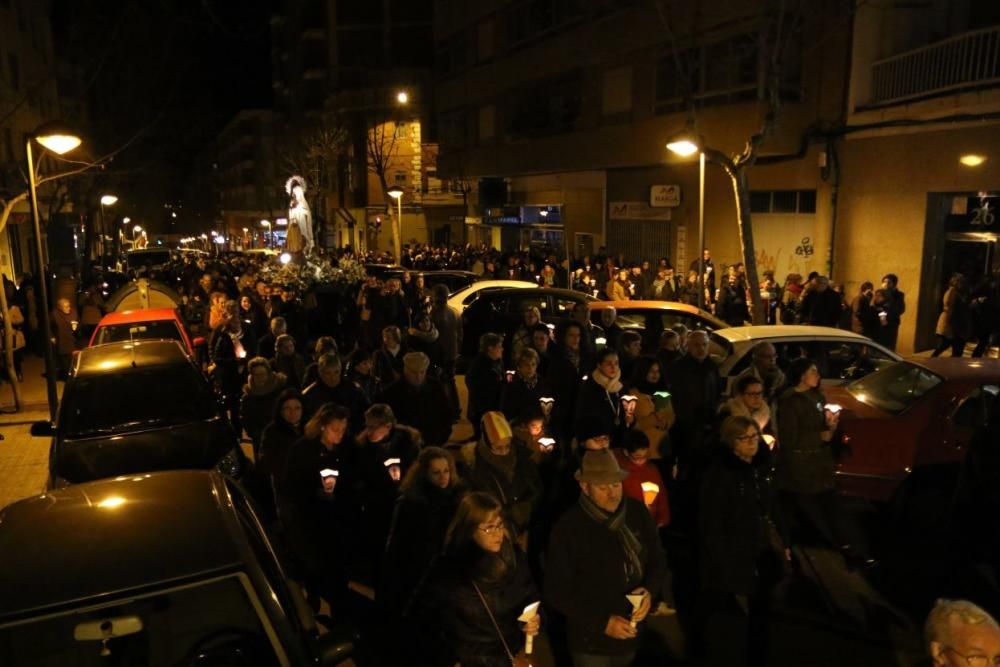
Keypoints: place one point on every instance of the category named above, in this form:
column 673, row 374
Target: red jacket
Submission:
column 647, row 472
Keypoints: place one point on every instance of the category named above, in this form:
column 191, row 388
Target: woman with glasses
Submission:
column 742, row 547
column 476, row 591
column 806, row 468
column 748, row 401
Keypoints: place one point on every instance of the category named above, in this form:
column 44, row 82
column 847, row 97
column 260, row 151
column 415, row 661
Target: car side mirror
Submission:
column 42, row 429
column 199, row 341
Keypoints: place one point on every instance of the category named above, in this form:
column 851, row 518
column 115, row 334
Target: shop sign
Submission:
column 665, row 196
column 506, row 215
column 637, row 210
column 978, row 214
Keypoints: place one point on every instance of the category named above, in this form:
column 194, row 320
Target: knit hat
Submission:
column 599, row 466
column 416, row 362
column 496, row 428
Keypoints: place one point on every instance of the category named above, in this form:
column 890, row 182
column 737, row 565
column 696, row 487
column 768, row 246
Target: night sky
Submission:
column 161, row 78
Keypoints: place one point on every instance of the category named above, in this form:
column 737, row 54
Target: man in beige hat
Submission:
column 420, row 401
column 604, row 566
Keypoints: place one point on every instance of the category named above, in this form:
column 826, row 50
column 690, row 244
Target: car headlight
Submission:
column 231, row 464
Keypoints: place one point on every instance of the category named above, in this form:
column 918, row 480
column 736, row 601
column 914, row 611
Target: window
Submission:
column 116, row 333
column 15, row 71
column 617, row 91
column 895, row 387
column 518, row 304
column 783, row 201
column 401, row 130
column 546, row 107
column 565, row 306
column 400, row 177
column 853, row 360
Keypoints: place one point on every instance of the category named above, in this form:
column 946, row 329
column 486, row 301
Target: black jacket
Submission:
column 563, row 380
column 585, row 576
column 695, row 387
column 275, row 443
column 736, row 513
column 594, row 401
column 517, row 397
column 344, row 394
column 425, row 408
column 485, row 381
column 519, row 494
column 821, row 308
column 805, row 463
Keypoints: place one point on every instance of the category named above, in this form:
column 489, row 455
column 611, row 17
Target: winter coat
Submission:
column 345, row 394
column 737, row 514
column 563, row 379
column 458, row 623
column 449, row 326
column 519, row 490
column 593, row 400
column 805, row 462
column 485, row 382
column 276, row 441
column 821, row 308
column 388, row 367
column 62, row 332
column 618, row 291
column 293, row 367
column 732, row 305
column 632, row 486
column 586, row 576
column 516, row 397
column 954, row 320
column 429, row 343
column 425, row 408
column 257, row 406
column 694, row 387
column 654, row 423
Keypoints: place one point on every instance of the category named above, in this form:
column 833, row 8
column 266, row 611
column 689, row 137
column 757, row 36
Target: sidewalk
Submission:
column 24, row 459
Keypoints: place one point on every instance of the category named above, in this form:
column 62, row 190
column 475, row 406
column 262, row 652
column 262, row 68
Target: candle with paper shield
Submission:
column 832, row 408
column 649, row 492
column 629, row 402
column 769, row 440
column 527, row 616
column 636, row 600
column 392, row 465
column 546, row 444
column 329, row 478
column 546, row 402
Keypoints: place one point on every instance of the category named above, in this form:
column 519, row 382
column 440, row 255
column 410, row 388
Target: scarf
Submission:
column 616, row 524
column 738, row 408
column 504, row 464
column 612, row 385
column 424, row 336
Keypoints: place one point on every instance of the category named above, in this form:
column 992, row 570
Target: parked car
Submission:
column 137, row 407
column 462, row 298
column 163, row 569
column 146, row 324
column 840, row 355
column 905, row 429
column 500, row 311
column 649, row 318
column 453, row 280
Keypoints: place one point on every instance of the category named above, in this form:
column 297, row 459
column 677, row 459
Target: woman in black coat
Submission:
column 742, row 545
column 567, row 365
column 475, row 592
column 276, row 441
column 485, row 379
column 601, row 396
column 523, row 391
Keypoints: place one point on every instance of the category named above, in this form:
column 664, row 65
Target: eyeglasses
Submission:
column 976, row 660
column 491, row 528
column 754, row 393
column 747, row 438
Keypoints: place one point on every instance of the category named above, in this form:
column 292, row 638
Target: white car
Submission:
column 461, row 299
column 840, row 355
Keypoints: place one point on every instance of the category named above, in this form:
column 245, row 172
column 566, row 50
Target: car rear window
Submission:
column 158, row 396
column 117, row 333
column 894, row 388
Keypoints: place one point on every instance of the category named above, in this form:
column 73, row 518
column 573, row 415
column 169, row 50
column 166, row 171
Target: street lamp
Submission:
column 686, row 145
column 266, row 224
column 106, row 200
column 59, row 141
column 402, row 97
column 396, row 193
column 135, row 230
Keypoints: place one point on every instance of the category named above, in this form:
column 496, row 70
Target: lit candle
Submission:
column 649, row 492
column 769, row 441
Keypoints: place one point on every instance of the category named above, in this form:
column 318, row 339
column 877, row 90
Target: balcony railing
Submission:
column 964, row 61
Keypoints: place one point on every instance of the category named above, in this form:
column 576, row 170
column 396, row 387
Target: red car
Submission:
column 149, row 323
column 905, row 428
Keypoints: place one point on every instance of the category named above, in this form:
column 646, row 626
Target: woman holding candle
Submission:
column 644, row 481
column 602, row 396
column 526, row 388
column 654, row 415
column 476, row 591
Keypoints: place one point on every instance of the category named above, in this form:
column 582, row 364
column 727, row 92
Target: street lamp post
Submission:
column 396, row 193
column 135, row 232
column 59, row 142
column 687, row 145
column 268, row 241
column 106, row 200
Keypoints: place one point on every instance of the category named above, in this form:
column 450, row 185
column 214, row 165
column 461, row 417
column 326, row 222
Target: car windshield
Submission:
column 158, row 396
column 117, row 333
column 173, row 627
column 895, row 387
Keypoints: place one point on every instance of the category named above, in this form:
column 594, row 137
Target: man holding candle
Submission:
column 603, row 549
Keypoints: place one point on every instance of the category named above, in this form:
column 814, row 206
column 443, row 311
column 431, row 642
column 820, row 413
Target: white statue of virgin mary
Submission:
column 300, row 232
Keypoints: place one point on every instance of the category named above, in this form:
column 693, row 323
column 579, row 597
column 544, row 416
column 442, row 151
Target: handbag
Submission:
column 518, row 660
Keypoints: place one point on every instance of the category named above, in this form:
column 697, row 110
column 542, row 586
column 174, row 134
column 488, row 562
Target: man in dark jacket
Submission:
column 485, row 379
column 420, row 401
column 695, row 387
column 449, row 327
column 821, row 305
column 602, row 550
column 332, row 388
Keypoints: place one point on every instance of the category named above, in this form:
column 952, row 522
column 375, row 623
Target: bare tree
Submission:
column 381, row 149
column 776, row 29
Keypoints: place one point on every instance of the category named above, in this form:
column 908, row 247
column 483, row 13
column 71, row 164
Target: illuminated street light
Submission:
column 266, row 224
column 396, row 193
column 972, row 160
column 59, row 141
column 108, row 200
column 402, row 97
column 686, row 145
column 126, row 220
column 285, row 258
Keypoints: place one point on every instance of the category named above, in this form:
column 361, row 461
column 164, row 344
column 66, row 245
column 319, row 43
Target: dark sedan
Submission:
column 500, row 311
column 170, row 569
column 905, row 429
column 137, row 407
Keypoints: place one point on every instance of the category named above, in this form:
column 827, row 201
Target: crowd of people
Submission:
column 593, row 463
